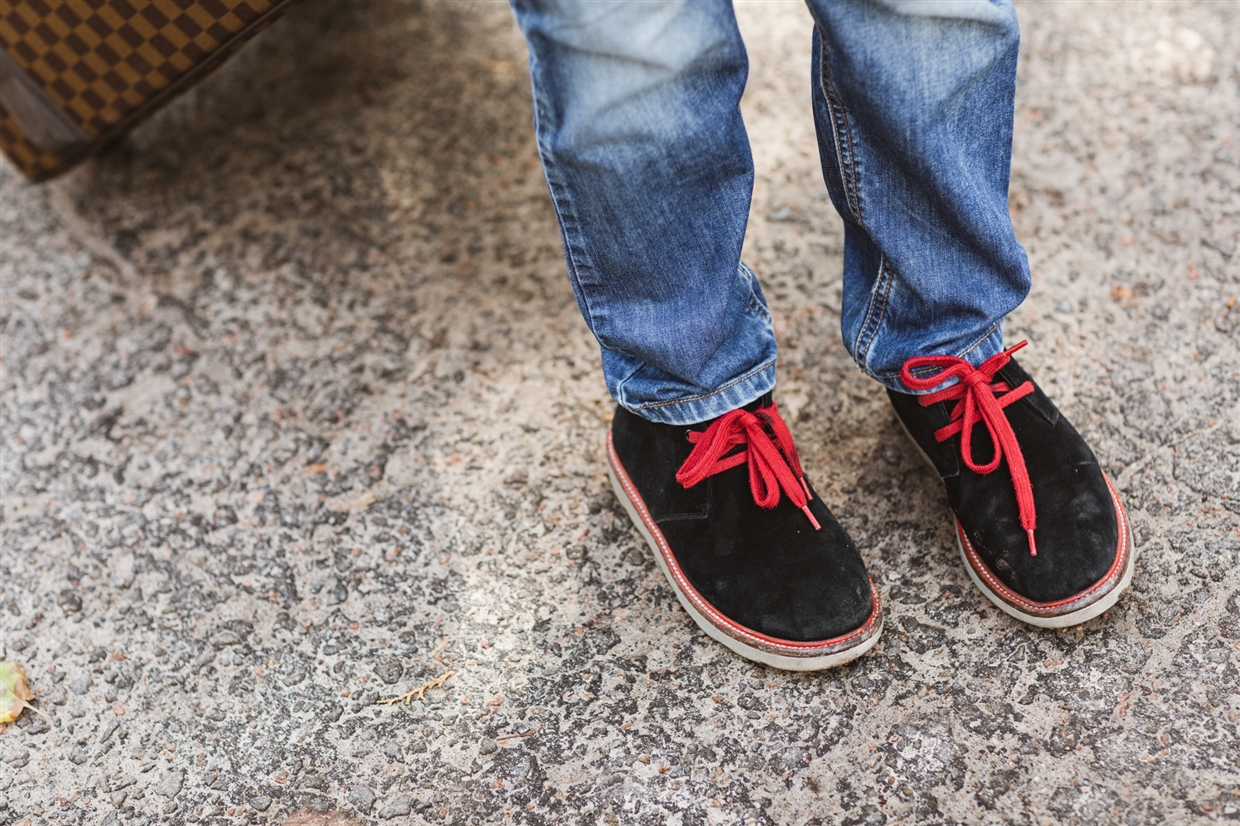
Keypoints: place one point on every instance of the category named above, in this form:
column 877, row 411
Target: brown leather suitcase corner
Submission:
column 76, row 75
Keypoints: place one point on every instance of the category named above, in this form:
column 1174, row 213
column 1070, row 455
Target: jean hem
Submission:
column 703, row 408
column 989, row 345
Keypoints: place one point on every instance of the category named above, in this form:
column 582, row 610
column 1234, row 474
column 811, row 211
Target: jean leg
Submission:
column 913, row 103
column 636, row 109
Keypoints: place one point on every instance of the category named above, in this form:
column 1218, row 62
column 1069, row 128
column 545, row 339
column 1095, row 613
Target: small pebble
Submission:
column 399, row 807
column 361, row 798
column 170, row 786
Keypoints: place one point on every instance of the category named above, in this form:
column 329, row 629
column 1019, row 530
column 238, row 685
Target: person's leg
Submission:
column 639, row 127
column 913, row 101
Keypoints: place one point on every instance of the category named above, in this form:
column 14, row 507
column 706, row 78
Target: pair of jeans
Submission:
column 636, row 109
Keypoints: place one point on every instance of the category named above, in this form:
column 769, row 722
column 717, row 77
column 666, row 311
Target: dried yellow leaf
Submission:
column 15, row 693
column 419, row 692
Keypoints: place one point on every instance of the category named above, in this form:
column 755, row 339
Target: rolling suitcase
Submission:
column 76, row 75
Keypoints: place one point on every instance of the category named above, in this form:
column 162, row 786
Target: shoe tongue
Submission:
column 765, row 400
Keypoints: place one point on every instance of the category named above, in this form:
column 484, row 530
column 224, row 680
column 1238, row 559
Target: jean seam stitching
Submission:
column 561, row 201
column 838, row 115
column 874, row 317
column 755, row 307
column 753, row 304
column 882, row 310
column 620, row 384
column 962, row 354
column 730, row 384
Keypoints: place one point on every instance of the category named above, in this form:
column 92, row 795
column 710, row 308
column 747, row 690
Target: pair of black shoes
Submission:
column 763, row 566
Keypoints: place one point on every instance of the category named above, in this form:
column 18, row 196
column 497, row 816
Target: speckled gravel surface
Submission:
column 298, row 414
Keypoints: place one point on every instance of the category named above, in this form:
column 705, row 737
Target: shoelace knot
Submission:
column 976, row 401
column 769, row 452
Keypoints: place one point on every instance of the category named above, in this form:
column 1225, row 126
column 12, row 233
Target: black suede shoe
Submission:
column 1046, row 539
column 752, row 554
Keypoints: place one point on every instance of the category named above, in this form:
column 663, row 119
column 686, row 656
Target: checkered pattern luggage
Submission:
column 77, row 74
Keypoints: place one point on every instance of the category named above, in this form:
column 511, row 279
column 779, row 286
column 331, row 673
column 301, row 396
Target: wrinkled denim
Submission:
column 636, row 109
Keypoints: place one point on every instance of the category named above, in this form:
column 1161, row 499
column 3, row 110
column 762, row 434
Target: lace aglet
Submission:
column 805, row 487
column 805, row 510
column 1033, row 546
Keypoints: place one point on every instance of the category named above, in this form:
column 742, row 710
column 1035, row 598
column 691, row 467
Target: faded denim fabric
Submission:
column 636, row 108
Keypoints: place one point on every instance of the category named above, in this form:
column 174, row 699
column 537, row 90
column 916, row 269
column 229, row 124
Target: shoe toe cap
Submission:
column 1077, row 537
column 811, row 587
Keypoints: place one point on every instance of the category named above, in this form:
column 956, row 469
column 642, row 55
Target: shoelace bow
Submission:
column 769, row 450
column 976, row 401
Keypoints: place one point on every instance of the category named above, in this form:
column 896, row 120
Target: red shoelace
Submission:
column 976, row 401
column 769, row 450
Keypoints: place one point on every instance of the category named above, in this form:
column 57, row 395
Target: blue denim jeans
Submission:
column 636, row 108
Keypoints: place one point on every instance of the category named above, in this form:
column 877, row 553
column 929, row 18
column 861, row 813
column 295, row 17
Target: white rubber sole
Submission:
column 773, row 659
column 1065, row 620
